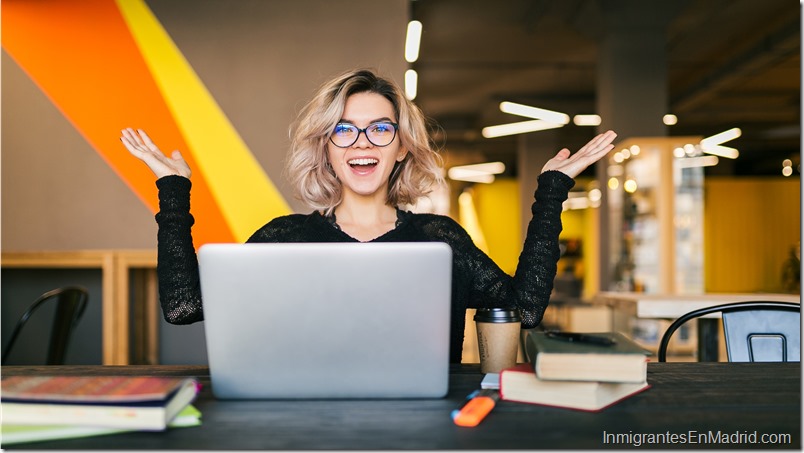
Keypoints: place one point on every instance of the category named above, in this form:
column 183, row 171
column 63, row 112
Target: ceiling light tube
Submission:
column 586, row 120
column 521, row 127
column 534, row 112
column 722, row 151
column 411, row 83
column 575, row 203
column 721, row 138
column 700, row 161
column 492, row 168
column 413, row 41
column 470, row 177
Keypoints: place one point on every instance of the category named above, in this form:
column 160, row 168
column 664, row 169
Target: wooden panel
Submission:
column 115, row 266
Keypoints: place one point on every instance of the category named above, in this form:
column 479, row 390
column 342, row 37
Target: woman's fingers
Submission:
column 574, row 164
column 140, row 145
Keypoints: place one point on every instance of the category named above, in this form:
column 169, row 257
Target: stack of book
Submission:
column 579, row 371
column 38, row 408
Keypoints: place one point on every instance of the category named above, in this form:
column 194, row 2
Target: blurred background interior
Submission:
column 667, row 212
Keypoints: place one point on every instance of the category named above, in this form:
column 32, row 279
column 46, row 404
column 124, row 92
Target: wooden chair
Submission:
column 756, row 331
column 71, row 302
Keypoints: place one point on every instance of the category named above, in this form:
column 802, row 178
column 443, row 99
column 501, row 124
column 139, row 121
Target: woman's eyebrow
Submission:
column 378, row 120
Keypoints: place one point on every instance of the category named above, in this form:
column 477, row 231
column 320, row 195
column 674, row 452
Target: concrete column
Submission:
column 631, row 92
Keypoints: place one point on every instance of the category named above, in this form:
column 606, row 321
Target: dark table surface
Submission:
column 738, row 402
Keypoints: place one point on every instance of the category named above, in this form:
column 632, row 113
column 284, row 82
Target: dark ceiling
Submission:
column 730, row 63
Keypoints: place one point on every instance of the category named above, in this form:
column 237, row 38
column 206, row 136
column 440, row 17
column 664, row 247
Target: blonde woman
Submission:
column 359, row 151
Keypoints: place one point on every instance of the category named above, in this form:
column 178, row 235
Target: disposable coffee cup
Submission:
column 497, row 338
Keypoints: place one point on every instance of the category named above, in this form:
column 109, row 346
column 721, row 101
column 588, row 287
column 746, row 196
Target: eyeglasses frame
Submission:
column 364, row 132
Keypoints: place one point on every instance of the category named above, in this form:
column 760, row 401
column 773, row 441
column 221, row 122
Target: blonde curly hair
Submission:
column 307, row 167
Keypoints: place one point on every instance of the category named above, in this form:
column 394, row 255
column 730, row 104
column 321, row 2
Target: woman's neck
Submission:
column 365, row 220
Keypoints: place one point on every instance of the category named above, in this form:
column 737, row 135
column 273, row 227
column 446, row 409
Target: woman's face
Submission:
column 364, row 168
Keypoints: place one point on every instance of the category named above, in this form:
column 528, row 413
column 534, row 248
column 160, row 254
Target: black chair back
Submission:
column 71, row 302
column 756, row 331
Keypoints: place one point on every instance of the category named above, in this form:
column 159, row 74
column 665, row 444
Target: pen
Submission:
column 581, row 338
column 479, row 403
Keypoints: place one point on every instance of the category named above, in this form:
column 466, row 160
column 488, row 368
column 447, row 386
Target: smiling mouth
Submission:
column 363, row 163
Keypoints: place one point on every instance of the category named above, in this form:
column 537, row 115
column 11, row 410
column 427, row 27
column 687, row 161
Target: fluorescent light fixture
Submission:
column 477, row 172
column 411, row 83
column 670, row 119
column 722, row 151
column 534, row 112
column 722, row 137
column 413, row 41
column 587, row 120
column 517, row 128
column 485, row 179
column 571, row 203
column 700, row 161
column 711, row 145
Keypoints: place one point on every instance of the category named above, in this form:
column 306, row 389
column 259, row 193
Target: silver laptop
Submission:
column 324, row 320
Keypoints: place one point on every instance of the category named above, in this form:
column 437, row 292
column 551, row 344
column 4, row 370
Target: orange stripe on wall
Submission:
column 82, row 56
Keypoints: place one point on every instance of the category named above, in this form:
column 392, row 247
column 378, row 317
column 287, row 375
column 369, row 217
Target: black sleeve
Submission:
column 481, row 282
column 177, row 263
column 536, row 271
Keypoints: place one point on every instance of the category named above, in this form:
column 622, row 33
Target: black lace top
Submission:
column 477, row 281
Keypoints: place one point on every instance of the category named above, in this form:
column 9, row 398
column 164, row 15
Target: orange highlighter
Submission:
column 479, row 404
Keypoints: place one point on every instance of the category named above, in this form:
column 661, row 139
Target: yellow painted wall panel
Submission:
column 750, row 224
column 498, row 210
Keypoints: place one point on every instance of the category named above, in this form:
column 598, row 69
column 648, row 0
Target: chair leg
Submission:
column 708, row 346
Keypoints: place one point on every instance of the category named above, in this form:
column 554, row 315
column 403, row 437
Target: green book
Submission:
column 18, row 434
column 601, row 357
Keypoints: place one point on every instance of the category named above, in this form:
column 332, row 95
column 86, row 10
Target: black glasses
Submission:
column 379, row 134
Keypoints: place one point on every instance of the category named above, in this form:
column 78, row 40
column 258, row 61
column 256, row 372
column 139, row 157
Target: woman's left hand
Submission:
column 573, row 165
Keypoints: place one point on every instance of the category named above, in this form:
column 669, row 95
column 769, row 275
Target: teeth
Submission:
column 365, row 161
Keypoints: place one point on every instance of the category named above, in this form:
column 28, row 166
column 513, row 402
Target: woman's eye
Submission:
column 381, row 127
column 342, row 129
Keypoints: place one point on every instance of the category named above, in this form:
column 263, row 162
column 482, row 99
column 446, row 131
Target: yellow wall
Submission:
column 497, row 206
column 750, row 224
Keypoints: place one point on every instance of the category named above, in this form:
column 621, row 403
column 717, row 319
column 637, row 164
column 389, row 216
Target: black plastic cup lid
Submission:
column 497, row 315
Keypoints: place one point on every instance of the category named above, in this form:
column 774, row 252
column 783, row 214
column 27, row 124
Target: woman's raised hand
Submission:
column 573, row 165
column 140, row 146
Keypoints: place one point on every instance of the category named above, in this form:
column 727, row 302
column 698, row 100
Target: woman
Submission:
column 360, row 150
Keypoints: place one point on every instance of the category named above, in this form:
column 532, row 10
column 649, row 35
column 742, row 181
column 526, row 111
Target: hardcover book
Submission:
column 615, row 358
column 19, row 434
column 520, row 384
column 142, row 402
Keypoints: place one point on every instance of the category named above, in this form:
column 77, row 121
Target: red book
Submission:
column 520, row 384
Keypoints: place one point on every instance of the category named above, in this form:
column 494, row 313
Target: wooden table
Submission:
column 687, row 401
column 672, row 306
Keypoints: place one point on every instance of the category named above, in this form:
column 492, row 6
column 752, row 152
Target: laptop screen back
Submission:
column 325, row 320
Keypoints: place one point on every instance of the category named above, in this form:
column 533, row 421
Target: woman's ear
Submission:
column 401, row 154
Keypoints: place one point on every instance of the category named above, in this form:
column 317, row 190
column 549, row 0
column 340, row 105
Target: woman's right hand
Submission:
column 140, row 146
